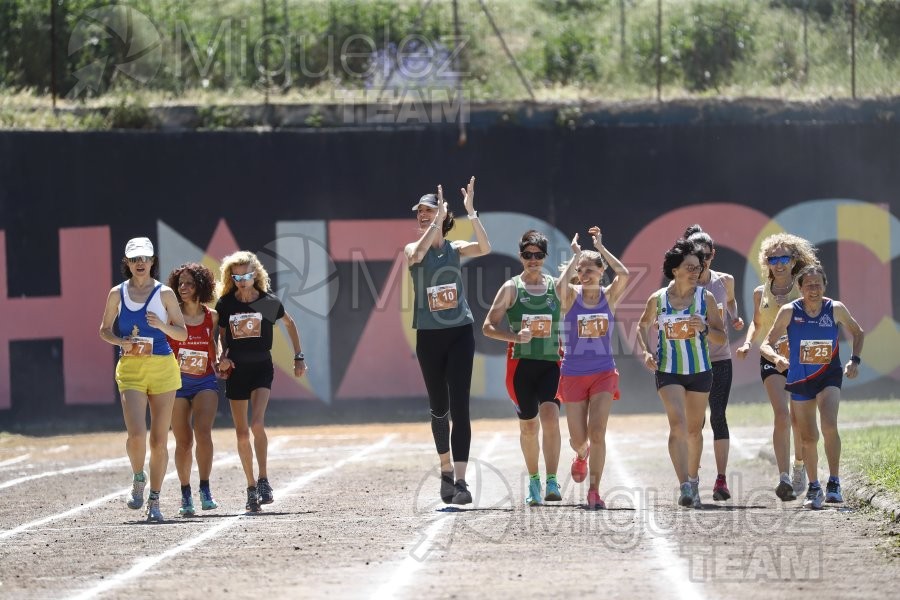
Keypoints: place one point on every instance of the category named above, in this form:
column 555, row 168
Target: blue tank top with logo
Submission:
column 133, row 323
column 814, row 348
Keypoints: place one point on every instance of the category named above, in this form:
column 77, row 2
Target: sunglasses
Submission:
column 140, row 259
column 778, row 260
column 244, row 277
column 535, row 255
column 693, row 268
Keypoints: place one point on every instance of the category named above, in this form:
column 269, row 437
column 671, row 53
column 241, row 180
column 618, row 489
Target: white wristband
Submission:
column 474, row 215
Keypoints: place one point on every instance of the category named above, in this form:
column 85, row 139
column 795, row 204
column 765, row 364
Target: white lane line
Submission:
column 413, row 562
column 58, row 449
column 673, row 567
column 148, row 563
column 12, row 461
column 97, row 466
column 222, row 461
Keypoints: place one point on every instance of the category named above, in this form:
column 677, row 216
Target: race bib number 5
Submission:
column 140, row 346
column 192, row 362
column 679, row 328
column 442, row 297
column 246, row 325
column 540, row 325
column 593, row 326
column 815, row 352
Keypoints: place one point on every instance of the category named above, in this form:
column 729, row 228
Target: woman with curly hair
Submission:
column 685, row 315
column 198, row 398
column 781, row 256
column 247, row 315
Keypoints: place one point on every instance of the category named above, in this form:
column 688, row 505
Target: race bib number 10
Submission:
column 540, row 325
column 192, row 362
column 246, row 325
column 815, row 352
column 593, row 326
column 442, row 297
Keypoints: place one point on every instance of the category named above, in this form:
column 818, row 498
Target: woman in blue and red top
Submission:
column 589, row 381
column 814, row 372
column 198, row 398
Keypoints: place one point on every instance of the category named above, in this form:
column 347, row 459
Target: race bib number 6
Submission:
column 593, row 326
column 245, row 325
column 192, row 362
column 679, row 328
column 442, row 297
column 540, row 325
column 815, row 352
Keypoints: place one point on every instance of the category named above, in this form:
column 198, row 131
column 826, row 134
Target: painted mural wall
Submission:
column 329, row 214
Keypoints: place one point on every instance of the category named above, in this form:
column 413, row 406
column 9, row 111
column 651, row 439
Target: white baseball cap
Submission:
column 140, row 246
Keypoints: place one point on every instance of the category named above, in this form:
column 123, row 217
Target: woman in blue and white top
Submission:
column 445, row 340
column 814, row 372
column 140, row 313
column 685, row 315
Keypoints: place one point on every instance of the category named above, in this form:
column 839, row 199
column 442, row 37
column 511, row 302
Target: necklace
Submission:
column 782, row 296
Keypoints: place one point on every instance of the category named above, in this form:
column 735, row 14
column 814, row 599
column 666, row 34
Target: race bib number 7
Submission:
column 815, row 352
column 192, row 362
column 593, row 326
column 540, row 325
column 140, row 346
column 246, row 325
column 679, row 328
column 442, row 297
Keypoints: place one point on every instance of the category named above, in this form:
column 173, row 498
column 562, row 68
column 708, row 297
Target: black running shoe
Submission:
column 785, row 491
column 252, row 500
column 265, row 491
column 462, row 495
column 448, row 490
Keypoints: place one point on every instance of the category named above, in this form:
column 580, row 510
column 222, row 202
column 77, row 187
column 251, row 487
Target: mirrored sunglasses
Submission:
column 244, row 277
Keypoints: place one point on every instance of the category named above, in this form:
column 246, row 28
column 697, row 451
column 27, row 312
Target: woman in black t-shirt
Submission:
column 247, row 313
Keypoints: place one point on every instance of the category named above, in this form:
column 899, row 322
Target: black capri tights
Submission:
column 445, row 357
column 718, row 398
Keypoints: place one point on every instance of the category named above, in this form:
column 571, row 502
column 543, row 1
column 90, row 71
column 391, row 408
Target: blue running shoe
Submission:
column 833, row 492
column 153, row 513
column 814, row 497
column 206, row 500
column 534, row 493
column 136, row 498
column 187, row 506
column 553, row 493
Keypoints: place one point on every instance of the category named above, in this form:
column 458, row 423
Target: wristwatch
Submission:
column 855, row 359
column 298, row 356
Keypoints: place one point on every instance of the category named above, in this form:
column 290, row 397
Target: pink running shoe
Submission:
column 594, row 502
column 580, row 467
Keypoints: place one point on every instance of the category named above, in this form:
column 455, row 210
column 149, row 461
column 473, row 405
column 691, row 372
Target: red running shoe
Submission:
column 720, row 489
column 594, row 502
column 580, row 467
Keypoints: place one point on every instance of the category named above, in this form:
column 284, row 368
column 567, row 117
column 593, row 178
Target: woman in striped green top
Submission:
column 681, row 362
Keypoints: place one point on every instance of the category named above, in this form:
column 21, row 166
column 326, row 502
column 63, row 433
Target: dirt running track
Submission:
column 356, row 516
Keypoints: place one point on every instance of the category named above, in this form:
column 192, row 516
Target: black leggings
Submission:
column 718, row 398
column 445, row 357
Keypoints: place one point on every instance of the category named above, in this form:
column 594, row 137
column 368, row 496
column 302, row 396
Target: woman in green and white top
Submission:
column 530, row 302
column 681, row 363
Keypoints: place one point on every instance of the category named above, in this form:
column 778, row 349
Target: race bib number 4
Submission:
column 246, row 325
column 192, row 362
column 593, row 326
column 141, row 346
column 679, row 328
column 782, row 347
column 442, row 297
column 540, row 325
column 815, row 352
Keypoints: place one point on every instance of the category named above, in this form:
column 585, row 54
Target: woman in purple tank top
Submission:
column 589, row 381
